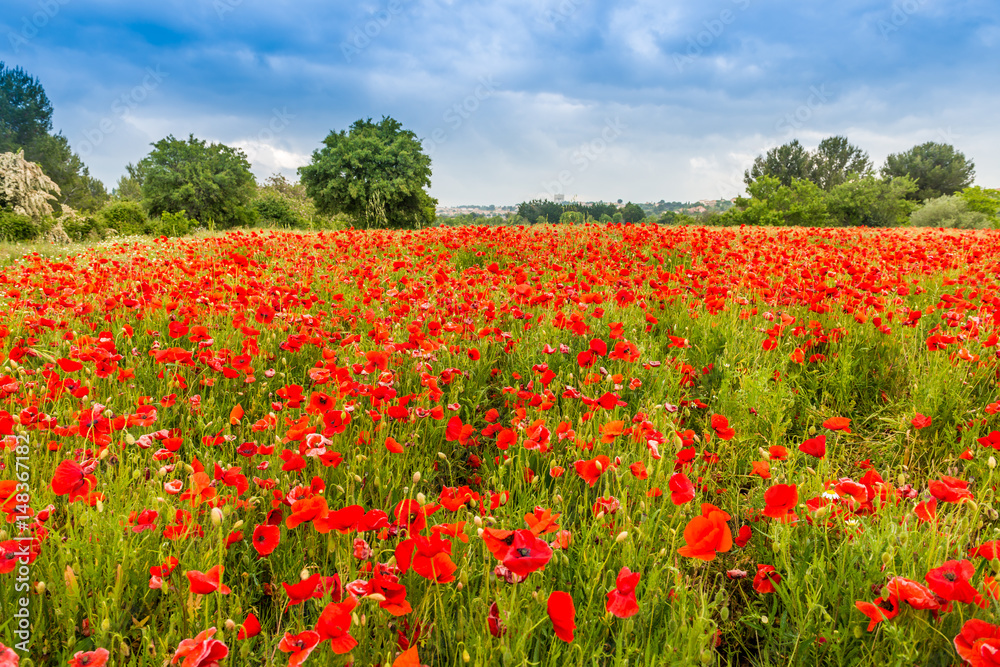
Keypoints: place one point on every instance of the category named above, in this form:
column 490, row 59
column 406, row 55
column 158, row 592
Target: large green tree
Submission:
column 25, row 110
column 785, row 163
column 375, row 173
column 211, row 182
column 26, row 124
column 938, row 169
column 836, row 160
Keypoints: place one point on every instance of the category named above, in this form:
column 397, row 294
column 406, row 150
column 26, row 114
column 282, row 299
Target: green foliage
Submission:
column 14, row 227
column 836, row 161
column 130, row 184
column 80, row 228
column 871, row 202
column 802, row 204
column 174, row 224
column 950, row 211
column 126, row 217
column 375, row 173
column 571, row 217
column 938, row 169
column 274, row 210
column 786, row 163
column 25, row 110
column 210, row 182
column 26, row 123
column 632, row 213
column 539, row 208
column 833, row 162
column 983, row 201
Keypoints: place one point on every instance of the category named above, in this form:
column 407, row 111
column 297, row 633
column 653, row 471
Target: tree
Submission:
column 26, row 123
column 938, row 169
column 801, row 204
column 871, row 202
column 632, row 213
column 786, row 162
column 25, row 110
column 211, row 182
column 129, row 186
column 836, row 161
column 375, row 173
column 539, row 208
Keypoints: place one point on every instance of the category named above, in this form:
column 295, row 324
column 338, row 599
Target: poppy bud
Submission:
column 442, row 456
column 991, row 462
column 357, row 478
column 416, row 478
column 886, row 558
column 479, row 532
column 105, row 625
column 763, row 619
column 421, row 498
column 100, row 506
column 724, row 614
column 216, row 516
column 230, row 625
column 465, row 655
column 304, row 574
column 812, row 430
column 129, row 438
column 40, row 587
column 238, row 525
column 478, row 521
column 622, row 536
column 973, row 505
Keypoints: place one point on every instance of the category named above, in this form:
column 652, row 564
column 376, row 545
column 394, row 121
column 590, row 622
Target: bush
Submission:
column 14, row 227
column 275, row 210
column 79, row 228
column 949, row 211
column 173, row 224
column 126, row 217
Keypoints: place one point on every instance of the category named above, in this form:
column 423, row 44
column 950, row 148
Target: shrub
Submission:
column 275, row 210
column 126, row 217
column 79, row 228
column 14, row 227
column 173, row 224
column 949, row 211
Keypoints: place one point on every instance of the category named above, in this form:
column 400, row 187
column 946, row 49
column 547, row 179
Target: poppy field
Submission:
column 577, row 445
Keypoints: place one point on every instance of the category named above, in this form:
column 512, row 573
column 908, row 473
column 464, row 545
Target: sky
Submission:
column 640, row 100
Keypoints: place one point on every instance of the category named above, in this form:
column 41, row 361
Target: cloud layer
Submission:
column 640, row 100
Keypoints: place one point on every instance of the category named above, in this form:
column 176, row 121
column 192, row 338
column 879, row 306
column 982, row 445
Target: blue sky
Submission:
column 641, row 100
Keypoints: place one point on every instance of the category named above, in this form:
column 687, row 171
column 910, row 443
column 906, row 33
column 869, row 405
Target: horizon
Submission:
column 517, row 100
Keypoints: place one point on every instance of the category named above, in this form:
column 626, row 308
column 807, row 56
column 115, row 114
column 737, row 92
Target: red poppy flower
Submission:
column 950, row 489
column 883, row 609
column 562, row 613
column 621, row 599
column 249, row 628
column 302, row 590
column 927, row 510
column 991, row 440
column 526, row 553
column 96, row 658
column 780, row 500
column 761, row 469
column 203, row 583
column 950, row 582
column 920, row 421
column 202, row 651
column 681, row 489
column 777, row 453
column 493, row 622
column 592, row 470
column 765, row 579
column 988, row 550
column 707, row 534
column 814, row 446
column 265, row 539
column 743, row 536
column 912, row 593
column 300, row 646
column 70, row 479
column 838, row 424
column 335, row 624
column 978, row 643
column 721, row 427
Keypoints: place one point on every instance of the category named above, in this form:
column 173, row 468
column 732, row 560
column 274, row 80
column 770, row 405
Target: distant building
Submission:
column 559, row 198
